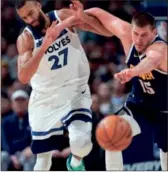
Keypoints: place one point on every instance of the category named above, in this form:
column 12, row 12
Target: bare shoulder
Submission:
column 25, row 42
column 158, row 46
column 158, row 51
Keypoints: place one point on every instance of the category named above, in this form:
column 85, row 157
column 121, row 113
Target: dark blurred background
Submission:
column 105, row 56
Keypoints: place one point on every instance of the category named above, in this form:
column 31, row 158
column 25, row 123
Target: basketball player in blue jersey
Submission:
column 53, row 61
column 147, row 64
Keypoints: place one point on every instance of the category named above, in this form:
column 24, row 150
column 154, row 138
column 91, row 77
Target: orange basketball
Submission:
column 114, row 133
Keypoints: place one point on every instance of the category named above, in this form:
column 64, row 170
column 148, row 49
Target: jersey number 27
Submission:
column 59, row 61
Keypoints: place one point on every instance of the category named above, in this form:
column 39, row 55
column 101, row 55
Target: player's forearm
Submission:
column 28, row 69
column 94, row 25
column 146, row 65
column 113, row 24
column 89, row 28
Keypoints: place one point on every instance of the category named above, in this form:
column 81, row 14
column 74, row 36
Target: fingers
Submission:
column 54, row 23
column 116, row 76
column 66, row 23
column 76, row 5
column 71, row 6
column 123, row 76
column 120, row 76
column 49, row 38
column 51, row 29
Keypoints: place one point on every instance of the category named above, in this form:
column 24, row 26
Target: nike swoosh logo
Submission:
column 136, row 55
column 83, row 91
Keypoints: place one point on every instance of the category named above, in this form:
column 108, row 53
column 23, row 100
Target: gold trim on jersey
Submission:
column 145, row 76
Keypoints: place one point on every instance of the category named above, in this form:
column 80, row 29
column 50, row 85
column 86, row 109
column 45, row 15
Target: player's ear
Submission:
column 39, row 5
column 155, row 31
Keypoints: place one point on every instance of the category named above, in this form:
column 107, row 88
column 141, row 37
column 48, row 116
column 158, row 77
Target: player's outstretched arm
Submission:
column 78, row 23
column 88, row 22
column 156, row 58
column 28, row 60
column 115, row 25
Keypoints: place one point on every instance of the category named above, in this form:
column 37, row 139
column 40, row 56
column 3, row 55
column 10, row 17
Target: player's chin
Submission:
column 139, row 48
column 35, row 24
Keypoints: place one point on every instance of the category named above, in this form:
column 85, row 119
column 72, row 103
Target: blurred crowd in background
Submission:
column 105, row 56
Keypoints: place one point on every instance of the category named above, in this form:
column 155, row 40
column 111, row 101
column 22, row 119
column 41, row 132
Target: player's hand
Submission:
column 54, row 31
column 77, row 10
column 124, row 76
column 56, row 154
column 50, row 36
column 27, row 152
column 65, row 152
column 15, row 162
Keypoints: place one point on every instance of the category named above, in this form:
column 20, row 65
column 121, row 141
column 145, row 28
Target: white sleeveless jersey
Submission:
column 64, row 66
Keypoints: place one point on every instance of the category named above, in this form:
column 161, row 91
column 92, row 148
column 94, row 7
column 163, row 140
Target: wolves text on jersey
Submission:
column 58, row 45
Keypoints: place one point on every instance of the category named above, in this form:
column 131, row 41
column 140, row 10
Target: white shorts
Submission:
column 47, row 120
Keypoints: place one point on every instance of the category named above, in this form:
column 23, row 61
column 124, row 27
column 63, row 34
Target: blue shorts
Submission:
column 156, row 120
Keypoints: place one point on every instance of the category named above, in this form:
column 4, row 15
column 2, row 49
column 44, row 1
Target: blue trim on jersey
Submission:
column 159, row 39
column 81, row 117
column 62, row 33
column 43, row 133
column 76, row 110
column 38, row 35
column 38, row 44
column 52, row 16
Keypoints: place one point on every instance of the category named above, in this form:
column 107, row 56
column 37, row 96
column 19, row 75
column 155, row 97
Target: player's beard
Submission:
column 41, row 25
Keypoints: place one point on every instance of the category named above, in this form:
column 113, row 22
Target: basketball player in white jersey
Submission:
column 147, row 63
column 52, row 59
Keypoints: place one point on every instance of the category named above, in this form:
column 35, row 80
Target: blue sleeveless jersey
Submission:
column 150, row 88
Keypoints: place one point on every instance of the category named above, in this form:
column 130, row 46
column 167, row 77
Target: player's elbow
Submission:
column 23, row 79
column 109, row 34
column 95, row 11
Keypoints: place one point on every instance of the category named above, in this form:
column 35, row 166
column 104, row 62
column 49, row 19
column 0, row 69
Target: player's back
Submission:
column 64, row 68
column 150, row 88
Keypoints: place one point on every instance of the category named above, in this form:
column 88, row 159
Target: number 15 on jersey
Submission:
column 146, row 86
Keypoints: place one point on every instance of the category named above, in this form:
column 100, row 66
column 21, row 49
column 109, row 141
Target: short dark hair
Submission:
column 142, row 19
column 20, row 3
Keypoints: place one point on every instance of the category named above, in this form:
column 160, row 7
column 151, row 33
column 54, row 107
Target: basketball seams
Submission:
column 122, row 134
column 98, row 131
column 113, row 136
column 105, row 132
column 116, row 147
column 106, row 140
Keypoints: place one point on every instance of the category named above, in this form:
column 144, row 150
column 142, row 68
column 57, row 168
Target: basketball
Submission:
column 113, row 133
